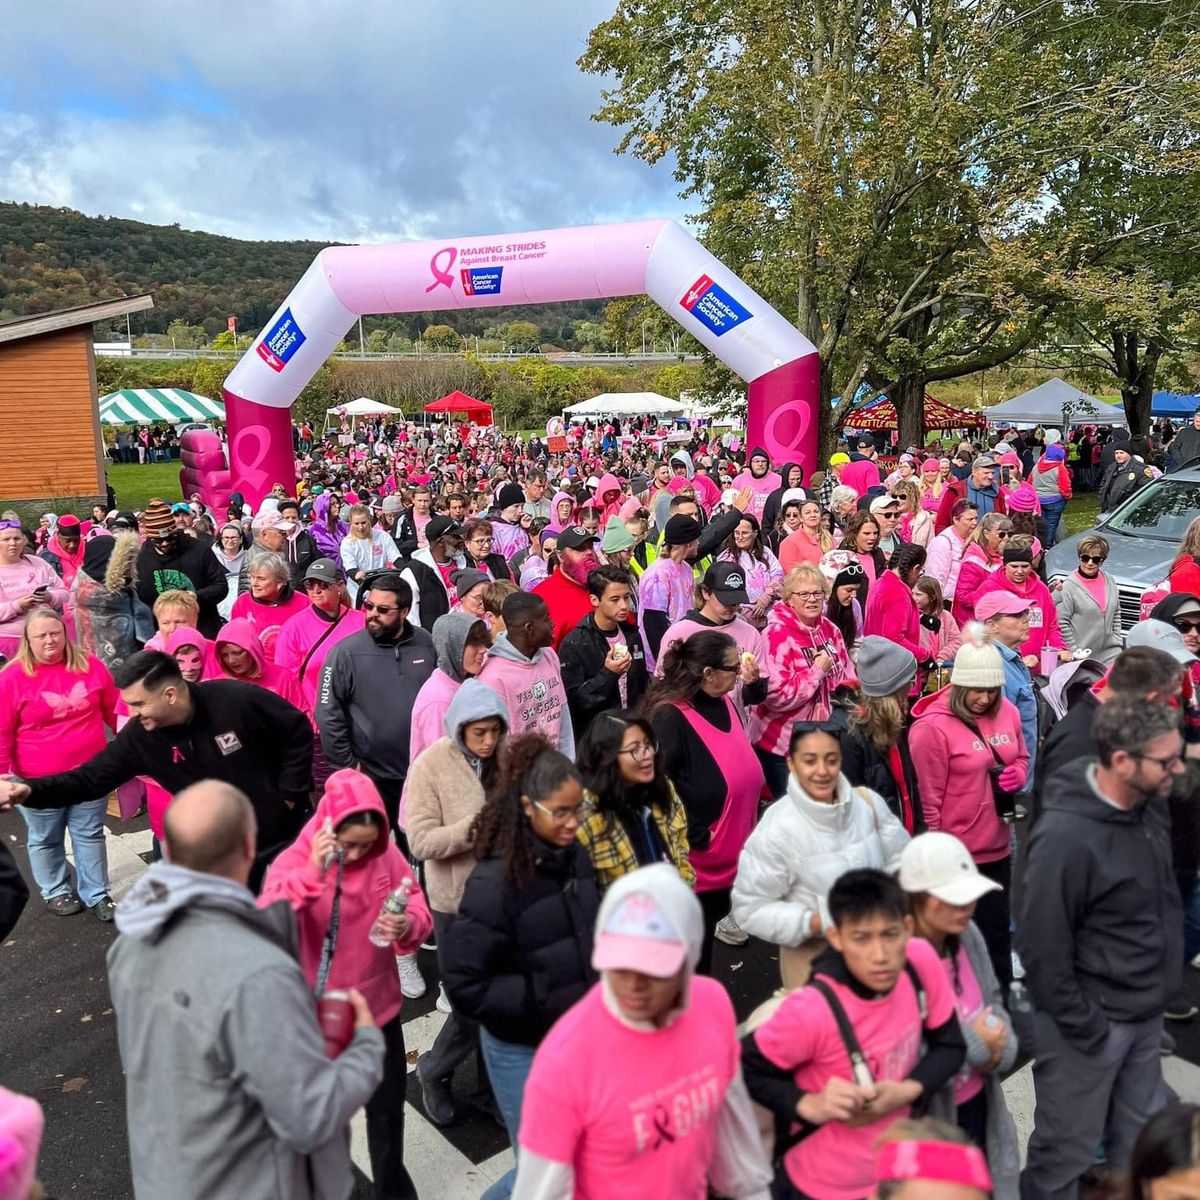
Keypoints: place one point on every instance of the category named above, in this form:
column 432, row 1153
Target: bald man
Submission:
column 229, row 1091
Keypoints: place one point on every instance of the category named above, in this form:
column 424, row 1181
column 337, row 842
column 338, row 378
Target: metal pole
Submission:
column 361, row 346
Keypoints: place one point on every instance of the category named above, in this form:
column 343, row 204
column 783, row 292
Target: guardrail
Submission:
column 562, row 358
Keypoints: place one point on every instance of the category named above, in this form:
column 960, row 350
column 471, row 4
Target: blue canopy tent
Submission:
column 1173, row 404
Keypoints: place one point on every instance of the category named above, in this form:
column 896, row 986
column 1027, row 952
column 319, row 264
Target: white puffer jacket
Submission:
column 800, row 848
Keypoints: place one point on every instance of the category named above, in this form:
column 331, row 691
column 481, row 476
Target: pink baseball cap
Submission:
column 638, row 936
column 1000, row 603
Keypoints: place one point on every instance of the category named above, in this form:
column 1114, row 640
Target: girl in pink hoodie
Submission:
column 892, row 610
column 241, row 657
column 1018, row 576
column 344, row 860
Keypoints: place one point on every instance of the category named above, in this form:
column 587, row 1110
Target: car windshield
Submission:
column 1162, row 511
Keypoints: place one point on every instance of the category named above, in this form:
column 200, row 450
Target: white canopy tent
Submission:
column 1055, row 403
column 626, row 404
column 362, row 407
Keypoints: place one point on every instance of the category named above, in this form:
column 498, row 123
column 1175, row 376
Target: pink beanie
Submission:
column 1022, row 499
column 930, row 466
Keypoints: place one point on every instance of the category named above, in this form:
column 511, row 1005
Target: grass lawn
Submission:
column 135, row 483
column 1082, row 511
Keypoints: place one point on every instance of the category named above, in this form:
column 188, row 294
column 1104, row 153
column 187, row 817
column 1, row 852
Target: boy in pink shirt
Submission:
column 637, row 1091
column 893, row 993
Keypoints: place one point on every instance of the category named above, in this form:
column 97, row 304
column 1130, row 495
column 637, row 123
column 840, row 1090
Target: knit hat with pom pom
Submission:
column 977, row 663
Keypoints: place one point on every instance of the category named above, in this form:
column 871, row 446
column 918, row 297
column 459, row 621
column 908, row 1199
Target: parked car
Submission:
column 187, row 426
column 1143, row 535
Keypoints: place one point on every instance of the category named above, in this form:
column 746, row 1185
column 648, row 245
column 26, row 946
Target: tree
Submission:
column 377, row 341
column 591, row 336
column 441, row 338
column 917, row 181
column 522, row 336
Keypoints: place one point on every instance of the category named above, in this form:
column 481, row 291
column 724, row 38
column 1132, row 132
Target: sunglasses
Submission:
column 1186, row 626
column 381, row 609
column 10, row 524
column 1092, row 558
column 1002, row 535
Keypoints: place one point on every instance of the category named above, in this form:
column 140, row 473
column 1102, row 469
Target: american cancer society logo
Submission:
column 282, row 340
column 482, row 281
column 713, row 306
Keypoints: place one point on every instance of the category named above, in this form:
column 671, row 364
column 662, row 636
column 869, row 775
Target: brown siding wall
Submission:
column 49, row 431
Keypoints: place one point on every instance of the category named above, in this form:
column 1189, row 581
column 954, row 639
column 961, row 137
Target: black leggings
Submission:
column 972, row 1118
column 714, row 906
column 993, row 918
column 385, row 1120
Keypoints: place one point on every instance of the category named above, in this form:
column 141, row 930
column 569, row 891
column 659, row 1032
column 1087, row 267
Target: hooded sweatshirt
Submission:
column 952, row 772
column 207, row 993
column 294, row 877
column 1043, row 616
column 619, row 1107
column 275, row 679
column 608, row 497
column 1051, row 480
column 761, row 488
column 445, row 795
column 329, row 543
column 532, row 691
column 183, row 635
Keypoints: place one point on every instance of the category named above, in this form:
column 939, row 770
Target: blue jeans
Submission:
column 1052, row 511
column 48, row 855
column 507, row 1067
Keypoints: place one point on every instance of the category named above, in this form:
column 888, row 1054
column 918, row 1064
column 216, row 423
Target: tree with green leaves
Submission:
column 921, row 184
column 441, row 338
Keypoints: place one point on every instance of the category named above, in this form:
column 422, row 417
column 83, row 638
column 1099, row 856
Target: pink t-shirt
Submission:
column 836, row 1162
column 968, row 999
column 633, row 1111
column 1096, row 588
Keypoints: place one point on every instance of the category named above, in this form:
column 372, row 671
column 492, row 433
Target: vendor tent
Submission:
column 627, row 404
column 1173, row 404
column 362, row 407
column 1055, row 403
column 881, row 414
column 477, row 411
column 149, row 406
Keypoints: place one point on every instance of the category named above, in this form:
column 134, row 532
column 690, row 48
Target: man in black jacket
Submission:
column 602, row 660
column 1101, row 939
column 300, row 547
column 182, row 733
column 368, row 687
column 170, row 560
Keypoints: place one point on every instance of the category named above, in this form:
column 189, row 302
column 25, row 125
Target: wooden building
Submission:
column 53, row 455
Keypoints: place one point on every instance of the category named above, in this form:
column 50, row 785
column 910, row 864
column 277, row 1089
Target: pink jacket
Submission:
column 300, row 633
column 54, row 719
column 1043, row 615
column 973, row 572
column 944, row 644
column 21, row 579
column 892, row 613
column 943, row 560
column 365, row 885
column 797, row 691
column 274, row 679
column 952, row 772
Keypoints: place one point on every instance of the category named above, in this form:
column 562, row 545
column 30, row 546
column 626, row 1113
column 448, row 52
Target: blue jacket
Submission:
column 1018, row 690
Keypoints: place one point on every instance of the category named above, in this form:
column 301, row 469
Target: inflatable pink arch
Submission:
column 658, row 258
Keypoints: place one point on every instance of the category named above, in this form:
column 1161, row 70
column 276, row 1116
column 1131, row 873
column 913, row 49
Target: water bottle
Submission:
column 395, row 904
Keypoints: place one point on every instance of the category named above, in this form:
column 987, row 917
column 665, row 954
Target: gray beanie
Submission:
column 884, row 667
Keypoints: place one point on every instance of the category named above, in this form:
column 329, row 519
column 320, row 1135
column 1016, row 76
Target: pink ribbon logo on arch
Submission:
column 442, row 274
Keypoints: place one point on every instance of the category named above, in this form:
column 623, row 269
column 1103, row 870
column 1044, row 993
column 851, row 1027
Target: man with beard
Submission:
column 172, row 561
column 565, row 590
column 760, row 479
column 368, row 689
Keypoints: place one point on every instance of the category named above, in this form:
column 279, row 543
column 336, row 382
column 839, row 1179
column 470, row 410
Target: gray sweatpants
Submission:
column 1088, row 1100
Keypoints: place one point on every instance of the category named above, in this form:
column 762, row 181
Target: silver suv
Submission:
column 1144, row 534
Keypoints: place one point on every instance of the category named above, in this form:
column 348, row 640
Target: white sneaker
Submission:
column 443, row 1001
column 1018, row 969
column 412, row 982
column 1196, row 962
column 730, row 932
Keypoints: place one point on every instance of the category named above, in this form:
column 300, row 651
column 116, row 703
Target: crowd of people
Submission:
column 571, row 719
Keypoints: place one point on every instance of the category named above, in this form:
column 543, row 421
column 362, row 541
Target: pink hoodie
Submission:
column 275, row 679
column 952, row 771
column 608, row 497
column 268, row 619
column 184, row 635
column 54, row 719
column 21, row 1124
column 1043, row 616
column 892, row 613
column 300, row 633
column 365, row 885
column 973, row 572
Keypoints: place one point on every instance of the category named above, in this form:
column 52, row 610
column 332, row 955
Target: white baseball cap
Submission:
column 938, row 863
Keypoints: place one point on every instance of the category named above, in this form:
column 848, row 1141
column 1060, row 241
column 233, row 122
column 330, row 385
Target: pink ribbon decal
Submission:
column 441, row 275
column 248, row 449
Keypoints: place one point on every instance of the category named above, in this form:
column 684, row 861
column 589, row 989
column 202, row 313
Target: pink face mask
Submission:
column 191, row 663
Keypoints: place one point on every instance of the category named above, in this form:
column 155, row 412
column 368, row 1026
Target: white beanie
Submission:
column 1052, row 437
column 977, row 663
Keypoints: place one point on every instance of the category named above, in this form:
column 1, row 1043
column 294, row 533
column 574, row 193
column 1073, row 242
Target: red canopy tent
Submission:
column 478, row 411
column 881, row 414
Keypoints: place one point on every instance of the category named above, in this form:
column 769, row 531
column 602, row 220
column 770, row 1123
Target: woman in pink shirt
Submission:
column 861, row 537
column 26, row 582
column 891, row 610
column 808, row 542
column 1018, row 576
column 55, row 703
column 270, row 598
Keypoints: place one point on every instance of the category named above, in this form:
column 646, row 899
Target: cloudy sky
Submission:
column 323, row 119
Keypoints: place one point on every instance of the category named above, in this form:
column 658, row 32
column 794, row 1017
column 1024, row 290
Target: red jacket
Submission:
column 1184, row 575
column 567, row 601
column 954, row 491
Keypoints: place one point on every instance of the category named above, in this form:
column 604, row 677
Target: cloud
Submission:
column 328, row 119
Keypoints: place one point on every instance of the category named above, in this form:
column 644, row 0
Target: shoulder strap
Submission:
column 331, row 934
column 318, row 643
column 864, row 794
column 980, row 735
column 919, row 987
column 858, row 1061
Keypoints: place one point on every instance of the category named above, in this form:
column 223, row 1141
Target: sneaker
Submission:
column 730, row 932
column 430, row 943
column 1018, row 968
column 1196, row 962
column 1166, row 1043
column 436, row 1095
column 412, row 982
column 104, row 909
column 66, row 905
column 1180, row 1009
column 443, row 1001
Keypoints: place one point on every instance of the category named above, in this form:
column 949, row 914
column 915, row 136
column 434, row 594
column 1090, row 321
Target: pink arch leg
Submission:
column 782, row 412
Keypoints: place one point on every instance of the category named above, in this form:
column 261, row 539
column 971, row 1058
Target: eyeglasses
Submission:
column 808, row 595
column 640, row 750
column 560, row 816
column 381, row 609
column 1093, row 558
column 1187, row 626
column 1165, row 763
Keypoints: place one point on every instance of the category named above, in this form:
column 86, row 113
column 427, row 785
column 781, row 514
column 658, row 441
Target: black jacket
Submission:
column 1119, row 483
column 13, row 893
column 1101, row 931
column 404, row 533
column 365, row 701
column 433, row 600
column 189, row 567
column 494, row 565
column 591, row 687
column 515, row 961
column 239, row 733
column 301, row 552
column 864, row 766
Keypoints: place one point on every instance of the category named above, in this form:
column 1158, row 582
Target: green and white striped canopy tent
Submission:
column 148, row 406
